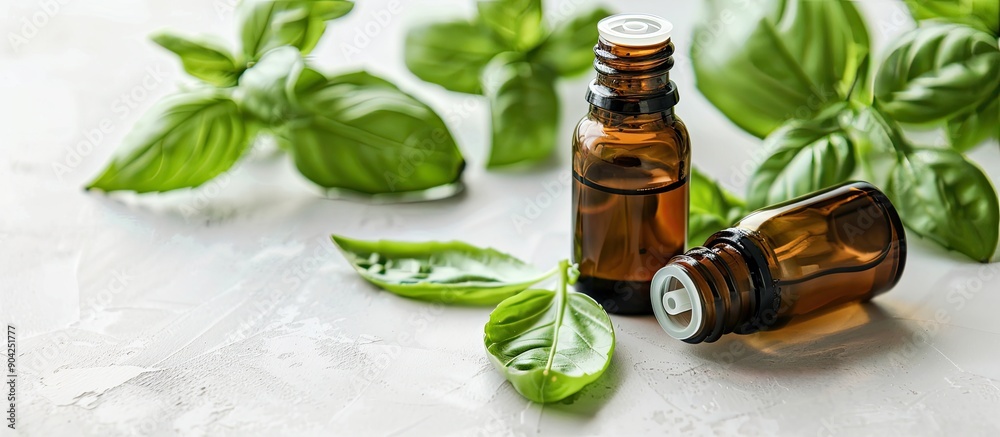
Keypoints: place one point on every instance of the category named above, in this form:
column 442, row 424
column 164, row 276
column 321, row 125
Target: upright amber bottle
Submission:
column 631, row 156
column 844, row 244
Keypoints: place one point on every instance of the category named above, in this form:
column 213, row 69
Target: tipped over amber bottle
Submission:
column 802, row 257
column 631, row 156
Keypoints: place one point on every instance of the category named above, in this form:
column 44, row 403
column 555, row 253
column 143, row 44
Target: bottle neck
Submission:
column 710, row 291
column 632, row 121
column 633, row 80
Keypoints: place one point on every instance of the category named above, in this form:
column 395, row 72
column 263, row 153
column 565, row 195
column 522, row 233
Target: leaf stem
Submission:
column 561, row 301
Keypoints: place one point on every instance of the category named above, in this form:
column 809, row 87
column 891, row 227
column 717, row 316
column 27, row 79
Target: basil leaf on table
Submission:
column 516, row 22
column 361, row 133
column 449, row 272
column 452, row 54
column 524, row 107
column 945, row 198
column 203, row 59
column 182, row 142
column 267, row 24
column 712, row 208
column 781, row 59
column 569, row 49
column 806, row 156
column 550, row 344
column 969, row 130
column 936, row 72
column 983, row 14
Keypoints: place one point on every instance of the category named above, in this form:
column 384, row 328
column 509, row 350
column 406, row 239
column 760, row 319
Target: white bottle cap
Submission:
column 635, row 30
column 676, row 303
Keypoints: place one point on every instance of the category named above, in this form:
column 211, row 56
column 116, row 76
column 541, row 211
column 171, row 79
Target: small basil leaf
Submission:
column 449, row 272
column 360, row 133
column 969, row 130
column 711, row 208
column 267, row 24
column 550, row 345
column 878, row 142
column 569, row 49
column 936, row 72
column 781, row 59
column 182, row 142
column 525, row 110
column 263, row 87
column 806, row 156
column 203, row 59
column 982, row 14
column 452, row 55
column 947, row 199
column 517, row 22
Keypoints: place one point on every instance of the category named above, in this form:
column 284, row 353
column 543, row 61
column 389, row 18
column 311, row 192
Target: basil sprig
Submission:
column 508, row 53
column 549, row 344
column 797, row 74
column 354, row 133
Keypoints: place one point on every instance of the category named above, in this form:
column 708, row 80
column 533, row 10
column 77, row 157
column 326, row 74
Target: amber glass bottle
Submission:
column 840, row 245
column 630, row 166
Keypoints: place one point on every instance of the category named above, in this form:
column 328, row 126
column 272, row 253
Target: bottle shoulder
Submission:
column 634, row 151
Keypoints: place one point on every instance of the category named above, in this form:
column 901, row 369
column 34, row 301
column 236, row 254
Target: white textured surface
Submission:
column 225, row 310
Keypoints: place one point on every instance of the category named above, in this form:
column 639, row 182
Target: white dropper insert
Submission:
column 635, row 30
column 676, row 303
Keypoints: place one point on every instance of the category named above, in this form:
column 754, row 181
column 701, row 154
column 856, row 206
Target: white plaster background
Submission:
column 226, row 311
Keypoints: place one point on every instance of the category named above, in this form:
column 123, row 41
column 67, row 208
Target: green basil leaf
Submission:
column 550, row 345
column 878, row 141
column 936, row 72
column 452, row 54
column 203, row 59
column 806, row 156
column 360, row 133
column 569, row 49
column 969, row 130
column 712, row 208
column 982, row 14
column 780, row 59
column 525, row 110
column 449, row 272
column 267, row 24
column 182, row 142
column 945, row 198
column 517, row 22
column 263, row 87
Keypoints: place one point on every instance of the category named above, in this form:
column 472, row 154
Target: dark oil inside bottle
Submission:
column 622, row 239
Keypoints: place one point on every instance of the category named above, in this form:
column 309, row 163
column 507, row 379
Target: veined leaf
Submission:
column 451, row 54
column 550, row 344
column 569, row 49
column 806, row 156
column 517, row 22
column 779, row 59
column 982, row 14
column 936, row 72
column 360, row 133
column 712, row 208
column 203, row 59
column 267, row 24
column 182, row 142
column 449, row 272
column 525, row 110
column 947, row 199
